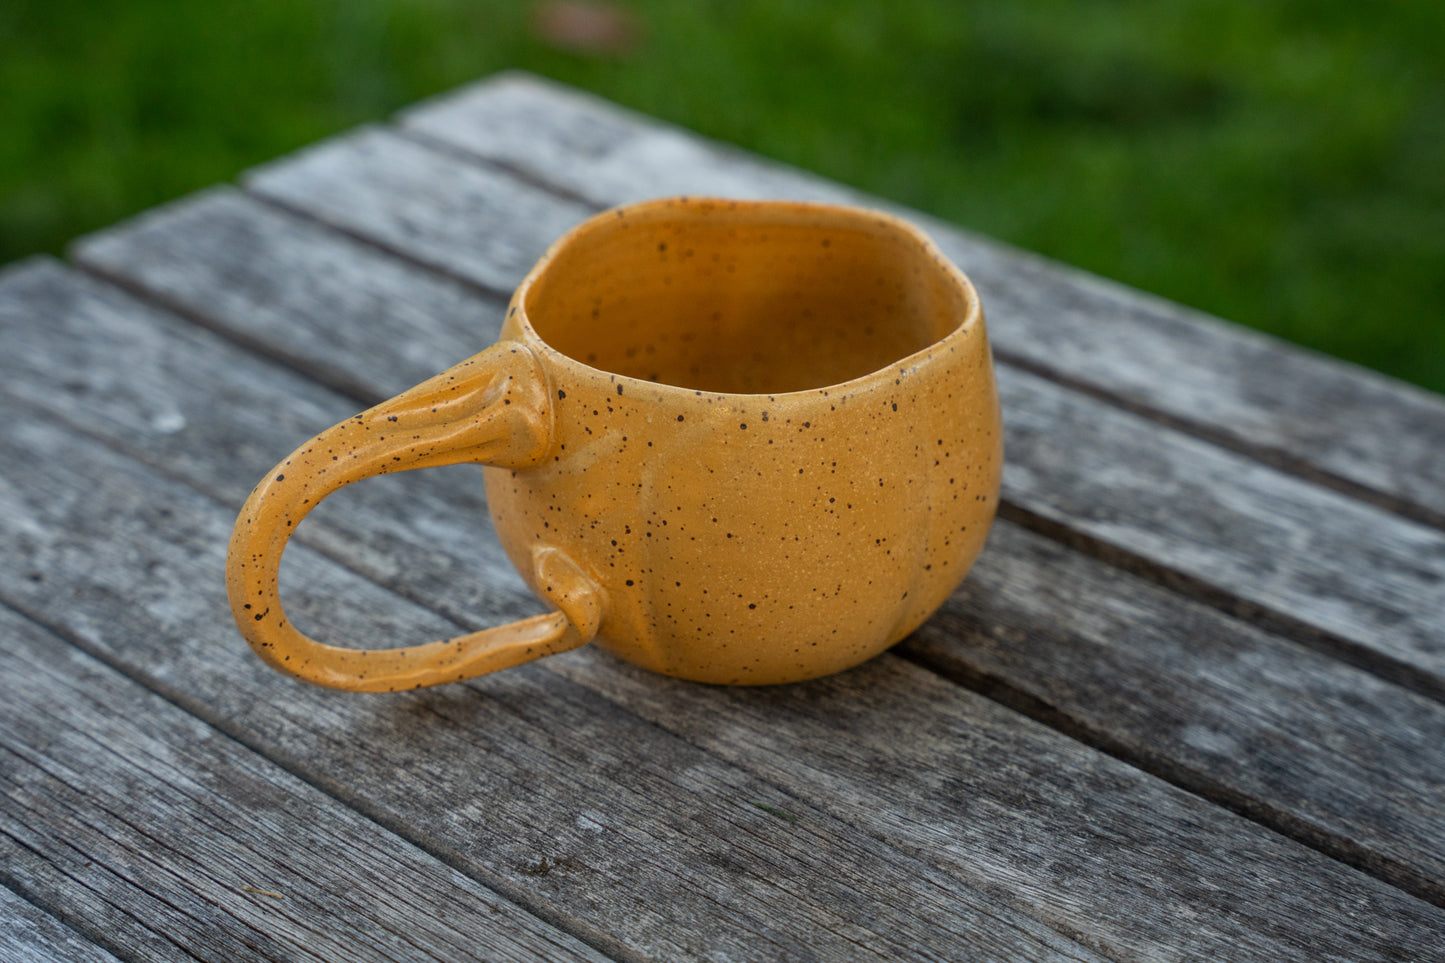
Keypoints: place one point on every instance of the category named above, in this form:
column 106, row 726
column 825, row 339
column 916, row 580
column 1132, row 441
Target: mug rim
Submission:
column 840, row 214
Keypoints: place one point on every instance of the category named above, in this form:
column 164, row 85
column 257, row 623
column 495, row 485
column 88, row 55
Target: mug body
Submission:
column 776, row 443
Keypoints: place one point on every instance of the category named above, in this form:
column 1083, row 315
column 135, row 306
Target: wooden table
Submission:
column 1187, row 706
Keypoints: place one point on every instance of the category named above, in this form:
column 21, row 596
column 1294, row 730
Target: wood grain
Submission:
column 159, row 835
column 1316, row 749
column 1139, row 869
column 258, row 261
column 1314, row 724
column 497, row 225
column 30, row 935
column 1360, row 582
column 1110, row 846
column 1368, row 435
column 593, row 149
column 631, row 838
column 198, row 410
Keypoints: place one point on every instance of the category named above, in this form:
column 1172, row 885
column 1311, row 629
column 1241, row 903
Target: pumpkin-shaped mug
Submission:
column 734, row 442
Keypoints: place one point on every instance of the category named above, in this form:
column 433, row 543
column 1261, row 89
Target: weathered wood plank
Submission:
column 1365, row 584
column 1376, row 596
column 594, row 149
column 1312, row 717
column 541, row 789
column 158, row 834
column 497, row 226
column 1317, row 749
column 1345, row 427
column 1140, row 874
column 258, row 261
column 1098, row 891
column 203, row 414
column 1372, row 436
column 30, row 935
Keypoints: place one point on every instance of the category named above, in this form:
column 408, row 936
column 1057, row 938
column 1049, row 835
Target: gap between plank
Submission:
column 1275, row 458
column 1277, row 623
column 76, row 931
column 163, row 470
column 362, row 238
column 95, row 934
column 458, row 153
column 1005, row 693
column 304, row 928
column 337, row 379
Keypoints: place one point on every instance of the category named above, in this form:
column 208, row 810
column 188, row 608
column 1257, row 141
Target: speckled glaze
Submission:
column 735, row 442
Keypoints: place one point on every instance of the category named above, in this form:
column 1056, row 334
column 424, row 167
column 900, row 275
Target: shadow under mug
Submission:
column 734, row 442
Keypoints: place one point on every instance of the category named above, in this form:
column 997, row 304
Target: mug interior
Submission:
column 751, row 298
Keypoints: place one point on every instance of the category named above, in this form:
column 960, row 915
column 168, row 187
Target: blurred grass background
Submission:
column 1276, row 163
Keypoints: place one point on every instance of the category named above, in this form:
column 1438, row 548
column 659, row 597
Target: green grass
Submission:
column 1279, row 164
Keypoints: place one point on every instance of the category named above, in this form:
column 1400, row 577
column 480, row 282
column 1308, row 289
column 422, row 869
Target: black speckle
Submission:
column 679, row 417
column 743, row 426
column 280, row 477
column 629, row 581
column 619, row 389
column 561, row 394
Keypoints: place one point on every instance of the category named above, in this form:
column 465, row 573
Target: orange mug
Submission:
column 735, row 442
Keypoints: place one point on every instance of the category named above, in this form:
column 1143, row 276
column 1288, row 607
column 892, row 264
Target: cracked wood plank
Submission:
column 28, row 934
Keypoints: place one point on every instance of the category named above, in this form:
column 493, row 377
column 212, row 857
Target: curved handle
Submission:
column 492, row 408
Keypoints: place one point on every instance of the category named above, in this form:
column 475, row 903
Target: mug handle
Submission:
column 493, row 408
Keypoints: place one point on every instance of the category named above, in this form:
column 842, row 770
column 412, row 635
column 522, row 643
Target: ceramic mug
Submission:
column 734, row 442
